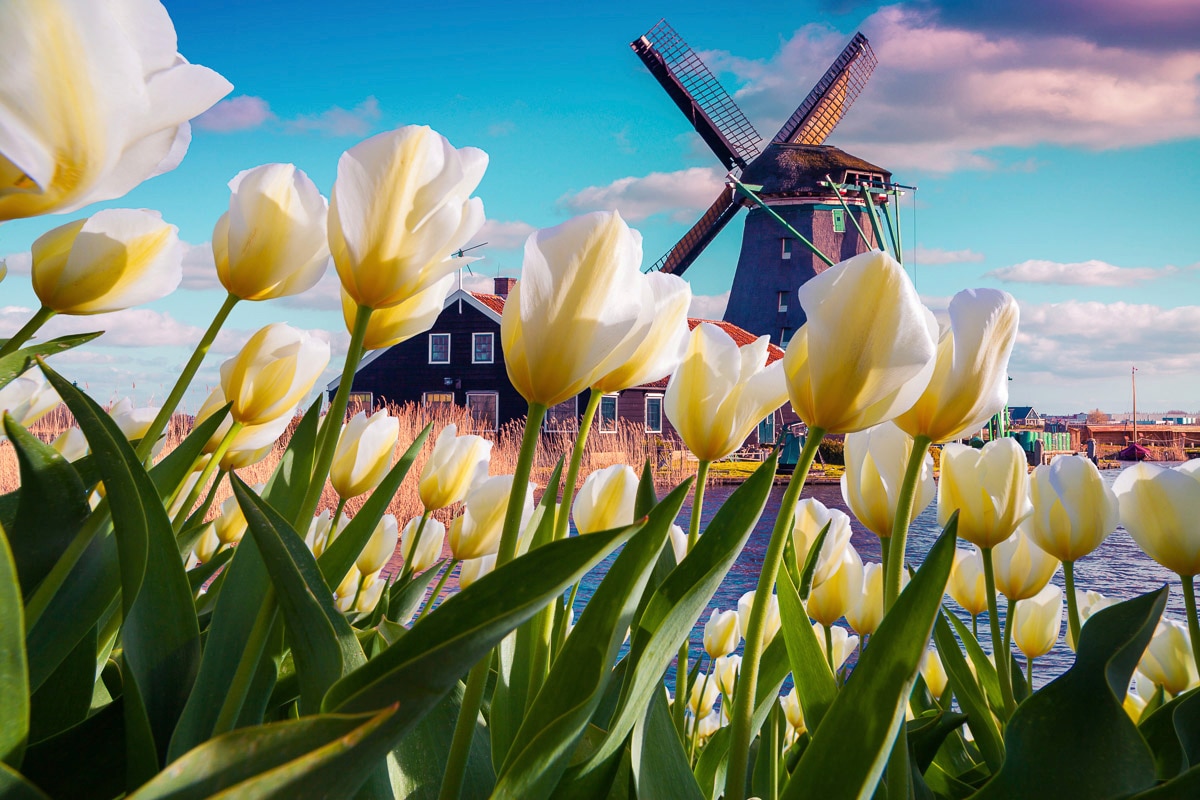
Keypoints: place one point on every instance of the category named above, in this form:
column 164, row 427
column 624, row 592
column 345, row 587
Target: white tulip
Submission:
column 843, row 643
column 662, row 345
column 722, row 633
column 811, row 517
column 989, row 488
column 428, row 549
column 477, row 532
column 771, row 622
column 364, row 453
column 379, row 547
column 606, row 499
column 456, row 464
column 876, row 460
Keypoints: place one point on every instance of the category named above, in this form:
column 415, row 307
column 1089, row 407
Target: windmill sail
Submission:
column 833, row 95
column 689, row 248
column 698, row 94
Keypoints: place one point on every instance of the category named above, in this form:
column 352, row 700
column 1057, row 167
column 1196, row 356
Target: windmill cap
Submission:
column 799, row 169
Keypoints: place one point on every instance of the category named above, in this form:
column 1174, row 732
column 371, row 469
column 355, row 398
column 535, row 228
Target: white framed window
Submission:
column 654, row 413
column 482, row 345
column 607, row 422
column 785, row 249
column 484, row 408
column 783, row 301
column 439, row 348
column 563, row 418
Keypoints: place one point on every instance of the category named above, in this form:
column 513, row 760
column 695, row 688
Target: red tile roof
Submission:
column 496, row 303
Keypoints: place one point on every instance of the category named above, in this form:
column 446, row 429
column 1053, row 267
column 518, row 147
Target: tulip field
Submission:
column 250, row 611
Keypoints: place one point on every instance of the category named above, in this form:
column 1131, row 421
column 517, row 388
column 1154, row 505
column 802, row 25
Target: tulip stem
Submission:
column 1029, row 674
column 678, row 710
column 1003, row 659
column 898, row 542
column 40, row 317
column 146, row 446
column 696, row 715
column 1189, row 602
column 975, row 626
column 256, row 645
column 337, row 513
column 1073, row 623
column 214, row 461
column 437, row 590
column 333, row 419
column 562, row 522
column 743, row 707
column 829, row 649
column 407, row 569
column 468, row 712
column 1010, row 618
column 697, row 503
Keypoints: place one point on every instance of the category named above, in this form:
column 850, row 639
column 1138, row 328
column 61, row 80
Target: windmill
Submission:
column 801, row 193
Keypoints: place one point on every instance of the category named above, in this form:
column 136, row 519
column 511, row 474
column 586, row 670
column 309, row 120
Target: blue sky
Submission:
column 1054, row 146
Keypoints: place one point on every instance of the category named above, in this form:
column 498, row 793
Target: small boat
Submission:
column 1134, row 452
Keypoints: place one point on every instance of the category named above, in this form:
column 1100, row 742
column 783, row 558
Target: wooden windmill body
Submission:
column 811, row 204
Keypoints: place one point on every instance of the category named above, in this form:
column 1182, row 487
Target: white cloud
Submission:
column 199, row 269
column 240, row 113
column 944, row 96
column 930, row 256
column 337, row 121
column 133, row 327
column 325, row 295
column 708, row 306
column 501, row 128
column 1083, row 273
column 503, row 235
column 19, row 263
column 681, row 194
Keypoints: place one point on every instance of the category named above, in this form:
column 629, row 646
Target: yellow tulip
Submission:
column 580, row 309
column 477, row 532
column 230, row 526
column 272, row 373
column 207, row 545
column 71, row 444
column 428, row 549
column 970, row 381
column 347, row 590
column 725, row 672
column 1168, row 661
column 662, row 346
column 93, row 101
column 368, row 598
column 28, row 398
column 811, row 517
column 253, row 443
column 364, row 453
column 866, row 610
column 867, row 350
column 843, row 643
column 271, row 242
column 475, row 568
column 1161, row 510
column 606, row 499
column 720, row 392
column 771, row 621
column 934, row 673
column 704, row 695
column 401, row 322
column 399, row 208
column 876, row 460
column 115, row 259
column 1134, row 704
column 831, row 599
column 1074, row 510
column 989, row 488
column 722, row 633
column 790, row 703
column 967, row 585
column 318, row 530
column 1022, row 568
column 1037, row 621
column 456, row 464
column 380, row 547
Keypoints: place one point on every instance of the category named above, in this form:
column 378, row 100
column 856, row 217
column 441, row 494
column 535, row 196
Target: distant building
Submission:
column 1025, row 417
column 460, row 361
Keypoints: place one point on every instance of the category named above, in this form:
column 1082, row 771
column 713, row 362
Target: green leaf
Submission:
column 247, row 761
column 1078, row 719
column 85, row 761
column 816, row 686
column 577, row 681
column 198, row 576
column 1185, row 786
column 971, row 698
column 405, row 598
column 15, row 363
column 66, row 696
column 646, row 498
column 679, row 601
column 51, row 510
column 341, row 554
column 869, row 710
column 810, row 563
column 14, row 675
column 984, row 670
column 323, row 644
column 420, row 758
column 660, row 765
column 1170, row 728
column 287, row 485
column 14, row 786
column 926, row 734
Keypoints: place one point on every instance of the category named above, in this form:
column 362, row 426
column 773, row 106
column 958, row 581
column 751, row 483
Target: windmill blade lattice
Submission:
column 827, row 103
column 689, row 248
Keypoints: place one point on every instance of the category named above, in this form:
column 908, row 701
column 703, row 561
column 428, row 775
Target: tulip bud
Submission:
column 720, row 391
column 865, row 611
column 722, row 633
column 368, row 598
column 970, row 381
column 771, row 621
column 967, row 585
column 868, row 349
column 116, row 259
column 401, row 322
column 96, row 100
column 475, row 568
column 830, row 599
column 253, row 443
column 207, row 545
column 1074, row 510
column 318, row 530
column 989, row 488
column 1168, row 658
column 934, row 673
column 27, row 398
column 679, row 543
column 71, row 444
column 364, row 453
column 811, row 517
column 790, row 703
column 704, row 695
column 347, row 590
column 606, row 499
column 1022, row 568
column 1161, row 510
column 456, row 464
column 662, row 344
column 1087, row 604
column 477, row 532
column 725, row 672
column 230, row 525
column 843, row 644
column 1134, row 705
column 379, row 547
column 876, row 460
column 428, row 549
column 271, row 242
column 1036, row 622
column 273, row 372
column 705, row 727
column 399, row 208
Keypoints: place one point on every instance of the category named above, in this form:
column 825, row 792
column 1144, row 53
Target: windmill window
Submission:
column 766, row 431
column 785, row 336
column 481, row 348
column 439, row 348
column 786, row 251
column 654, row 413
column 608, row 414
column 563, row 418
column 436, row 399
column 783, row 301
column 839, row 220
